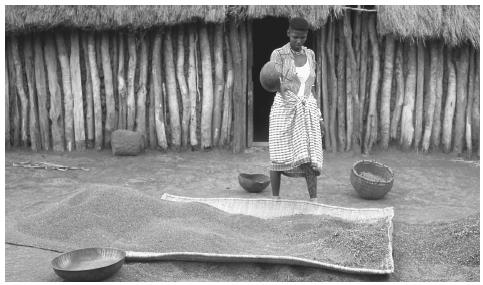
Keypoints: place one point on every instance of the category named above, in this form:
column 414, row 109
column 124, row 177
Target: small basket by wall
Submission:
column 366, row 187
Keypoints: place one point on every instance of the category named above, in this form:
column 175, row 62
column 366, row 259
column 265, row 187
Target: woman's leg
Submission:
column 275, row 177
column 311, row 179
column 312, row 186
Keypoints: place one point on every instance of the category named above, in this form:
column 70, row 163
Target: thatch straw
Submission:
column 316, row 15
column 37, row 17
column 454, row 24
column 410, row 22
column 461, row 24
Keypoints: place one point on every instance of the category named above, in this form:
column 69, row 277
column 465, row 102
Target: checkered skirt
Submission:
column 294, row 135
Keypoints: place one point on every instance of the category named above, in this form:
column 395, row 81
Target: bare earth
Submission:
column 435, row 198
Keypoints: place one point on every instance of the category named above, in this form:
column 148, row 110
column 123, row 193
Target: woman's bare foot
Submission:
column 315, row 200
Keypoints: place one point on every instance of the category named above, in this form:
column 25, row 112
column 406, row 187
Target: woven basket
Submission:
column 369, row 188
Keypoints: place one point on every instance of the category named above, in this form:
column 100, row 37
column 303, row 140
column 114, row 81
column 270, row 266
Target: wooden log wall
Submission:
column 421, row 96
column 185, row 87
column 179, row 86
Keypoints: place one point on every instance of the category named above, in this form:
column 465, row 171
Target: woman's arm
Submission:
column 275, row 57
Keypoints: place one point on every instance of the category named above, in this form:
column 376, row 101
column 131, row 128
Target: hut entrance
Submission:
column 268, row 34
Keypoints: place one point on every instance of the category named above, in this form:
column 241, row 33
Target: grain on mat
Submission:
column 127, row 219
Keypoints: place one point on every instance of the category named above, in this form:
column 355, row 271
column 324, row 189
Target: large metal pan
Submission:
column 88, row 264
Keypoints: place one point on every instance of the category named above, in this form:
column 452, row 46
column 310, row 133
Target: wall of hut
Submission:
column 189, row 87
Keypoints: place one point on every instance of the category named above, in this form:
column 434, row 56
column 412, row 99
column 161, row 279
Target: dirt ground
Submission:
column 435, row 197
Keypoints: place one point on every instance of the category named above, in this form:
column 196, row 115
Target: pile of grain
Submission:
column 372, row 177
column 456, row 242
column 127, row 219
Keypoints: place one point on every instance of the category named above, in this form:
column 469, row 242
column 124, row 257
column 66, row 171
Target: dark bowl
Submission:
column 88, row 264
column 253, row 183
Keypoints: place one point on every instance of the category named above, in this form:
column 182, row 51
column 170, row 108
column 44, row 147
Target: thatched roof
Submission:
column 22, row 18
column 38, row 17
column 454, row 24
column 316, row 15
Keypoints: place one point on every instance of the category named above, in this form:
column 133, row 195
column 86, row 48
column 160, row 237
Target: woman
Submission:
column 295, row 139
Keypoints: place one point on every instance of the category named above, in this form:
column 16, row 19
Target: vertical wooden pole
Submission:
column 419, row 106
column 131, row 72
column 227, row 96
column 250, row 83
column 24, row 103
column 89, row 95
column 142, row 88
column 157, row 87
column 7, row 107
column 332, row 85
column 462, row 64
column 399, row 78
column 165, row 107
column 14, row 110
column 171, row 89
column 353, row 126
column 55, row 94
column 115, row 65
column 192, row 88
column 386, row 89
column 243, row 48
column 238, row 123
column 350, row 68
column 371, row 129
column 207, row 98
column 96, row 91
column 41, row 87
column 219, row 82
column 436, row 132
column 78, row 105
column 357, row 49
column 450, row 102
column 431, row 97
column 109, row 90
column 183, row 87
column 475, row 113
column 348, row 112
column 363, row 72
column 67, row 91
column 29, row 71
column 151, row 132
column 469, row 105
column 407, row 128
column 341, row 88
column 121, row 85
column 322, row 62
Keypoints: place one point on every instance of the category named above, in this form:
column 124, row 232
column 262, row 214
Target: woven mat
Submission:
column 271, row 209
column 231, row 229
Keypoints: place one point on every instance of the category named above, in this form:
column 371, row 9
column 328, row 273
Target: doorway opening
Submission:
column 268, row 34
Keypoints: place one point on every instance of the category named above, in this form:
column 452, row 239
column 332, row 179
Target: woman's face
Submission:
column 297, row 38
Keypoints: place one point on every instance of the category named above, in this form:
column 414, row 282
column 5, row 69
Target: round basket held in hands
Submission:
column 270, row 77
column 371, row 179
column 253, row 183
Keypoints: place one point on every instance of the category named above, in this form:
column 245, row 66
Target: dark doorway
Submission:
column 268, row 34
